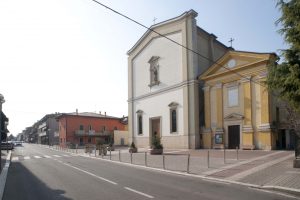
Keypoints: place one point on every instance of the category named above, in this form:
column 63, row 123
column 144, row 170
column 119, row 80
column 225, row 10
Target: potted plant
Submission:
column 156, row 147
column 111, row 146
column 132, row 148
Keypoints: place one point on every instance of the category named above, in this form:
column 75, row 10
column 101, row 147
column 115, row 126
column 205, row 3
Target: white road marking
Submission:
column 66, row 155
column 47, row 156
column 26, row 158
column 89, row 173
column 138, row 192
column 57, row 156
column 15, row 159
column 37, row 157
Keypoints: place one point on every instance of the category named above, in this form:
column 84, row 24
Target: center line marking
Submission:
column 138, row 192
column 89, row 173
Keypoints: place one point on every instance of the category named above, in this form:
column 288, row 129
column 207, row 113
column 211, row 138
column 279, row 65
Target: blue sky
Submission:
column 59, row 55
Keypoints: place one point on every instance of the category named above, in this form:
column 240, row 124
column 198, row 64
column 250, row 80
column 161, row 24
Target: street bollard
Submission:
column 164, row 166
column 110, row 154
column 208, row 159
column 76, row 149
column 224, row 156
column 146, row 159
column 120, row 155
column 188, row 164
column 237, row 153
column 102, row 153
column 130, row 157
column 95, row 152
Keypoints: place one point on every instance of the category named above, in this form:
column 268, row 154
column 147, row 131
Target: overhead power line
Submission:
column 185, row 47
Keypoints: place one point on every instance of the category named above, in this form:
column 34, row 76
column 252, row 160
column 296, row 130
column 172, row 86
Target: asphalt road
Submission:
column 40, row 173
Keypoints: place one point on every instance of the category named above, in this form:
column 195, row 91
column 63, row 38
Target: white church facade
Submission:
column 165, row 95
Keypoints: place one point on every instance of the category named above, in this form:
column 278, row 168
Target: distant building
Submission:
column 87, row 128
column 48, row 130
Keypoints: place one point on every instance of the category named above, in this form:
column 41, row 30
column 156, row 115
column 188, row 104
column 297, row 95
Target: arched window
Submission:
column 140, row 122
column 173, row 117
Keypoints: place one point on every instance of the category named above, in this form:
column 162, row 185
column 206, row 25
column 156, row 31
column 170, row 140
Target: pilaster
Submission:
column 247, row 131
column 219, row 130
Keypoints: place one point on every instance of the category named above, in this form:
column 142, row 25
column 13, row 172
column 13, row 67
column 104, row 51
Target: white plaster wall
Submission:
column 170, row 64
column 157, row 106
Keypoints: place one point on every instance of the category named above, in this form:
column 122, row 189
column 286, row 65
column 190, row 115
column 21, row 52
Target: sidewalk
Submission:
column 262, row 169
column 3, row 159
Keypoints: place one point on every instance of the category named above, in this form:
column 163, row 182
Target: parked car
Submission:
column 17, row 143
column 7, row 145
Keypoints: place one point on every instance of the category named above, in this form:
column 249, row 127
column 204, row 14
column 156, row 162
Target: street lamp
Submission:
column 1, row 102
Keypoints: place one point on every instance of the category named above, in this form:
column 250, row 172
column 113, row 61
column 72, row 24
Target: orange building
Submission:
column 87, row 128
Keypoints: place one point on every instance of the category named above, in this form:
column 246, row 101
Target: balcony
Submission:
column 92, row 133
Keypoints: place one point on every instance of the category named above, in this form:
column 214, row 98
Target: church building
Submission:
column 192, row 91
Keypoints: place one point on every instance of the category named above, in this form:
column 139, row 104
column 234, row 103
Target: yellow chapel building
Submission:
column 239, row 110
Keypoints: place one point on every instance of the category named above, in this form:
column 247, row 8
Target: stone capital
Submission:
column 246, row 79
column 219, row 85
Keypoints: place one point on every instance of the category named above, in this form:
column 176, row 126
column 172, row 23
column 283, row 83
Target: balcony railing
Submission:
column 92, row 133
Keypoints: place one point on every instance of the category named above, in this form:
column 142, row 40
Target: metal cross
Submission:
column 231, row 40
column 154, row 19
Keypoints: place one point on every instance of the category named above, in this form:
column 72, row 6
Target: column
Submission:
column 247, row 135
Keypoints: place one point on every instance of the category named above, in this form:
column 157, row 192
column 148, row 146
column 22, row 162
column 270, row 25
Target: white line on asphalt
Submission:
column 57, row 156
column 15, row 158
column 138, row 192
column 66, row 155
column 26, row 157
column 89, row 173
column 37, row 156
column 47, row 156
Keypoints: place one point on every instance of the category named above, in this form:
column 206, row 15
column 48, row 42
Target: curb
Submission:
column 3, row 174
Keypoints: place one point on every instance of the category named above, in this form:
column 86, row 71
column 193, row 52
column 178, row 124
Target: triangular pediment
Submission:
column 235, row 61
column 233, row 116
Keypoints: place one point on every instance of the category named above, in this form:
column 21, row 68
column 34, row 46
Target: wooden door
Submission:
column 233, row 137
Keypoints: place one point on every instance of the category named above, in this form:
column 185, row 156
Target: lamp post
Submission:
column 1, row 102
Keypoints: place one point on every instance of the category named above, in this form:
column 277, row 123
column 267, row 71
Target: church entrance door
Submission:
column 233, row 137
column 154, row 128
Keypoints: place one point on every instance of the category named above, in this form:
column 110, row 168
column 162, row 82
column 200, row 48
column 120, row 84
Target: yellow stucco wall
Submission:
column 206, row 140
column 120, row 134
column 253, row 103
column 265, row 140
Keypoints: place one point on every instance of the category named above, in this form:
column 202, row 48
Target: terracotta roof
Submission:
column 87, row 114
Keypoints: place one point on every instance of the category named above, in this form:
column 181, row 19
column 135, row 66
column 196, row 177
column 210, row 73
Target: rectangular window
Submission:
column 233, row 96
column 90, row 127
column 140, row 124
column 89, row 140
column 81, row 127
column 173, row 121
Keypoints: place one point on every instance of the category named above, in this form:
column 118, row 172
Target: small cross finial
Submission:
column 154, row 19
column 231, row 40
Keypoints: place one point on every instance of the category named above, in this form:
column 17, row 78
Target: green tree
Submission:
column 284, row 78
